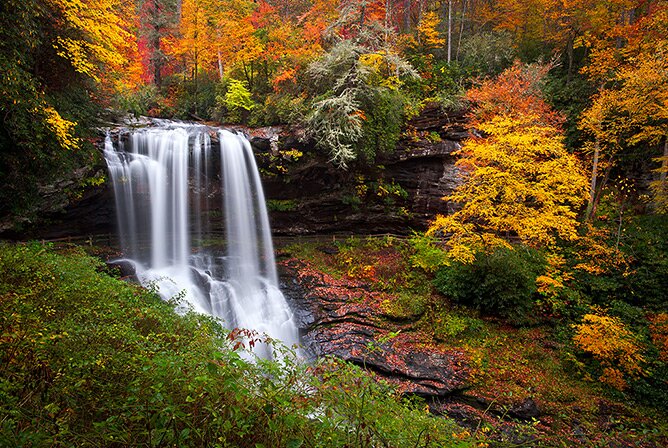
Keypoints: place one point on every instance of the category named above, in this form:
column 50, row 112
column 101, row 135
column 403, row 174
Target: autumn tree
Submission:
column 630, row 108
column 519, row 179
column 613, row 345
column 56, row 58
column 157, row 22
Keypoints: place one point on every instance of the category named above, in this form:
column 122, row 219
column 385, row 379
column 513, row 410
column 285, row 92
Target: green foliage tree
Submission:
column 361, row 77
column 56, row 58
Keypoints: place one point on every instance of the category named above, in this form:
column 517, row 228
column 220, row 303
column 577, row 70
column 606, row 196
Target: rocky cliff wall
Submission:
column 305, row 193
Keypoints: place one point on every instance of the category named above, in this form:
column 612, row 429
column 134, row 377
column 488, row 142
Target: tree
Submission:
column 158, row 21
column 355, row 76
column 520, row 181
column 56, row 58
column 631, row 106
column 617, row 349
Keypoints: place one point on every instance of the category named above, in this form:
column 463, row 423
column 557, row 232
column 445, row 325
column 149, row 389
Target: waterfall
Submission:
column 164, row 181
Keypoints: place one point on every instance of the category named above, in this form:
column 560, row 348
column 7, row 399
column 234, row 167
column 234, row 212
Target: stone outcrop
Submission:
column 324, row 199
column 343, row 318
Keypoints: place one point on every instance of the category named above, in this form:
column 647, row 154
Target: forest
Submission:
column 541, row 276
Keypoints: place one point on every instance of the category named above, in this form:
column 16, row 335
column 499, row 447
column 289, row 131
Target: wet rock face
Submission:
column 326, row 199
column 341, row 318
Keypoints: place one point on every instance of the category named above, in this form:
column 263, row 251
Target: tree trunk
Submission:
column 592, row 185
column 407, row 15
column 449, row 31
column 461, row 29
column 220, row 66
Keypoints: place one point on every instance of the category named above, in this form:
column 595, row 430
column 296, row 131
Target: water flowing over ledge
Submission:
column 164, row 178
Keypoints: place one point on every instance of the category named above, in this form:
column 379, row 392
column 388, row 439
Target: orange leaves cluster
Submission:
column 515, row 91
column 608, row 340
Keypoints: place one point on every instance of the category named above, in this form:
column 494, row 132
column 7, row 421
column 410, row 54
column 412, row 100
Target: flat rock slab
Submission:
column 343, row 318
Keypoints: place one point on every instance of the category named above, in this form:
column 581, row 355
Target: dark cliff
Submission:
column 305, row 193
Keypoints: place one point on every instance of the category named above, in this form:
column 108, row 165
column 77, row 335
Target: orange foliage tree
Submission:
column 631, row 105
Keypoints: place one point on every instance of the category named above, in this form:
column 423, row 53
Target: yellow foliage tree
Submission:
column 631, row 106
column 608, row 340
column 94, row 37
column 427, row 31
column 520, row 182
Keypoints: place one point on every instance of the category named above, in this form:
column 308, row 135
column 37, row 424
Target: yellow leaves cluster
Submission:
column 61, row 128
column 658, row 329
column 608, row 340
column 552, row 282
column 97, row 41
column 427, row 30
column 596, row 257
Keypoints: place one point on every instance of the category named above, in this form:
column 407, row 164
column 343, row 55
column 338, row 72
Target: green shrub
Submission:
column 647, row 242
column 448, row 324
column 641, row 279
column 502, row 282
column 428, row 255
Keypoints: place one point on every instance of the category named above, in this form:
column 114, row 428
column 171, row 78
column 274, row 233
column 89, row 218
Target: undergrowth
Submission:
column 510, row 362
column 88, row 360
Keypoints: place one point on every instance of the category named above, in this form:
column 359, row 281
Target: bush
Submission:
column 450, row 323
column 502, row 282
column 635, row 273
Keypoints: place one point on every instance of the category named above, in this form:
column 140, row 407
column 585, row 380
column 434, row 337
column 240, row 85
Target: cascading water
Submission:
column 162, row 188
